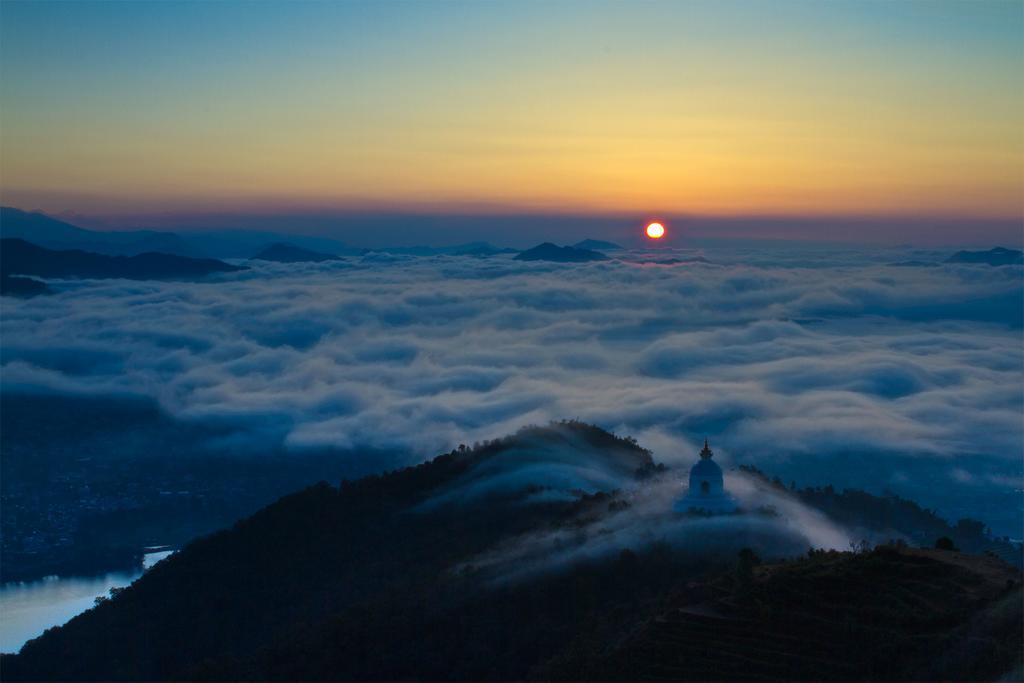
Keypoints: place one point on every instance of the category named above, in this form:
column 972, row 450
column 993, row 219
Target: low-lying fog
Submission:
column 771, row 522
column 639, row 515
column 817, row 365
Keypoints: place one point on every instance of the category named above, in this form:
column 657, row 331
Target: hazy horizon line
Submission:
column 366, row 227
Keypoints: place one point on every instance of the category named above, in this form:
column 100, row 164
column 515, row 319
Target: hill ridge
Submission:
column 20, row 257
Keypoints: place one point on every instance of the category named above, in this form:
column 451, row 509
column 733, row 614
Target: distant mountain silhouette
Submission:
column 596, row 245
column 671, row 261
column 914, row 264
column 18, row 257
column 381, row 579
column 244, row 243
column 481, row 249
column 999, row 256
column 49, row 232
column 21, row 286
column 552, row 252
column 467, row 249
column 38, row 228
column 283, row 252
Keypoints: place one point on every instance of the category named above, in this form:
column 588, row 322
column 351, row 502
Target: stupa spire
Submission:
column 706, row 493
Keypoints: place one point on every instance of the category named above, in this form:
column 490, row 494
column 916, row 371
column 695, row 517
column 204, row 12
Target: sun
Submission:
column 655, row 231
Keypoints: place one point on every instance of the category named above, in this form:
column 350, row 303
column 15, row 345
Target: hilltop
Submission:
column 391, row 577
column 997, row 256
column 330, row 548
column 552, row 252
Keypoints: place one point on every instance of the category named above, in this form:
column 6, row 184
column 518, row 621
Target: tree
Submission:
column 746, row 561
column 970, row 529
column 945, row 543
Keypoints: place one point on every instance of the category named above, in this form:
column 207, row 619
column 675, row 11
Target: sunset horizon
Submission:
column 512, row 340
column 665, row 109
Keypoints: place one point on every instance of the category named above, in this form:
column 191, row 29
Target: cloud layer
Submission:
column 802, row 357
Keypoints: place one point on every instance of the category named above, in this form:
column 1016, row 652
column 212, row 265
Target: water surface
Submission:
column 29, row 608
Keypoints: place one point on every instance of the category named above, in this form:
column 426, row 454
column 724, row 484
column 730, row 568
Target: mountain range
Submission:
column 552, row 252
column 52, row 233
column 997, row 256
column 18, row 257
column 45, row 231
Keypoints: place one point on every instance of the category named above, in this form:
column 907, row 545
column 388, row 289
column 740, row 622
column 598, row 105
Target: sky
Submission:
column 192, row 114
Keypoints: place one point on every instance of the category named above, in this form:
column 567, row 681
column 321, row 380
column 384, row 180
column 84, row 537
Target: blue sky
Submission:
column 133, row 114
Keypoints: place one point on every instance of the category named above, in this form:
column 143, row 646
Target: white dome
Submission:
column 707, row 492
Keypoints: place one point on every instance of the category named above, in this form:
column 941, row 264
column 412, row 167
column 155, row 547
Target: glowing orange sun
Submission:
column 655, row 231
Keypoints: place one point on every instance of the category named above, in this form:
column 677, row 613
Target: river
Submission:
column 27, row 609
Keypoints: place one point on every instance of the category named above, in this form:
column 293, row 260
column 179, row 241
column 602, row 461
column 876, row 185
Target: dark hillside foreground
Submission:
column 385, row 579
column 888, row 614
column 131, row 476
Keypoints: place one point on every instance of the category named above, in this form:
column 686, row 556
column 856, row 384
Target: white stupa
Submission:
column 707, row 492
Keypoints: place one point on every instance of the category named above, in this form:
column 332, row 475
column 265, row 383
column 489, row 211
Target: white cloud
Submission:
column 799, row 355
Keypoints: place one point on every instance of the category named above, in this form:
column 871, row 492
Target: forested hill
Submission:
column 890, row 514
column 325, row 550
column 376, row 580
column 888, row 614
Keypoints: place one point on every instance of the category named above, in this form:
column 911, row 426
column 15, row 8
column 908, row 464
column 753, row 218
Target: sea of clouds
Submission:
column 815, row 364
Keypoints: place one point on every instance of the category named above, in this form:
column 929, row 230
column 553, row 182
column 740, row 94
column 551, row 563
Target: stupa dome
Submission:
column 707, row 492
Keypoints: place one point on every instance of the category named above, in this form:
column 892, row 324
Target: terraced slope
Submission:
column 889, row 614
